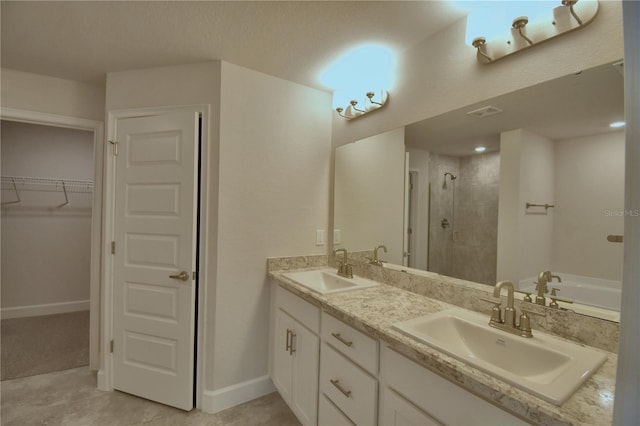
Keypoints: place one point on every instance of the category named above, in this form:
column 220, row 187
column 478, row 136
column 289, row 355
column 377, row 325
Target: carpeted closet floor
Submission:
column 37, row 345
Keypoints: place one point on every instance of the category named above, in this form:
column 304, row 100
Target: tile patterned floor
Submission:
column 70, row 398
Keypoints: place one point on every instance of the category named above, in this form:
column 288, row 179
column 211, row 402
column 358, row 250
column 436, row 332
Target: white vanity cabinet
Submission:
column 348, row 375
column 331, row 374
column 413, row 395
column 295, row 353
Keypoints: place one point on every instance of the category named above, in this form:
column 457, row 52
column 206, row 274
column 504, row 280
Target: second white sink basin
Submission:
column 549, row 367
column 326, row 281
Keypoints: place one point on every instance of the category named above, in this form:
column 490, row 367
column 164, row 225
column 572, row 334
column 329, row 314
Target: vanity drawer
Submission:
column 329, row 415
column 303, row 311
column 357, row 346
column 350, row 388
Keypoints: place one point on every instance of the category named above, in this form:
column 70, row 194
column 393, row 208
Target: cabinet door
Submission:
column 282, row 358
column 306, row 355
column 396, row 411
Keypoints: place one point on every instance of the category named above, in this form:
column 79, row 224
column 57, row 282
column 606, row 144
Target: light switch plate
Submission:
column 319, row 237
column 337, row 236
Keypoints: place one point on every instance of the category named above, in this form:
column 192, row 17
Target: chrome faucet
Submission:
column 544, row 277
column 344, row 268
column 508, row 323
column 375, row 260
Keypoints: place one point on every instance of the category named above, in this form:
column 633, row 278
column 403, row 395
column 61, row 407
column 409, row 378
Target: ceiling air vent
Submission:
column 484, row 111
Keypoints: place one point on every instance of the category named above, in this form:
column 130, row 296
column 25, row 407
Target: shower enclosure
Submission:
column 463, row 216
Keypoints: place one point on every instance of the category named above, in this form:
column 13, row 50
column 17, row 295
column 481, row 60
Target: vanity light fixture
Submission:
column 370, row 102
column 617, row 124
column 528, row 27
column 480, row 149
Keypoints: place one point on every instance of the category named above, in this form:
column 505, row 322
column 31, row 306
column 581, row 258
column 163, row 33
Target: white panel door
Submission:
column 155, row 240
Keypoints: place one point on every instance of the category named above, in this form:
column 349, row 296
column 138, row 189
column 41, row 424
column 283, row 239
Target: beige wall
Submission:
column 589, row 187
column 582, row 177
column 45, row 249
column 369, row 194
column 525, row 235
column 40, row 93
column 536, row 224
column 442, row 73
column 275, row 149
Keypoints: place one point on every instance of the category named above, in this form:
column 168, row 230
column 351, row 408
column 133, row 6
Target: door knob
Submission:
column 184, row 276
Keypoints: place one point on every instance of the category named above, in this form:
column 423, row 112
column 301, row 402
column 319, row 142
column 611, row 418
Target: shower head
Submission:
column 451, row 176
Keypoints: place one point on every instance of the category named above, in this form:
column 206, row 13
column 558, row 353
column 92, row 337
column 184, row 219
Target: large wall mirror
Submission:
column 547, row 192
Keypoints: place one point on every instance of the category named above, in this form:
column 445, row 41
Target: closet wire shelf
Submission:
column 18, row 184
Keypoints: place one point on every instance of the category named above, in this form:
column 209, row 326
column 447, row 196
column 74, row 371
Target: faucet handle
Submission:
column 555, row 299
column 348, row 271
column 527, row 297
column 525, row 322
column 496, row 313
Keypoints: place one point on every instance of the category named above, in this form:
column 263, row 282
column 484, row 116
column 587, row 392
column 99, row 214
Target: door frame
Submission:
column 97, row 128
column 105, row 373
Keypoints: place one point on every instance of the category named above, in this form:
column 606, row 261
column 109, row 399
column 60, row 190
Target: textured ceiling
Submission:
column 293, row 40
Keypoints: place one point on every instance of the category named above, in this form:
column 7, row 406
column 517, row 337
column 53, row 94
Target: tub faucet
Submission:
column 375, row 260
column 344, row 268
column 544, row 277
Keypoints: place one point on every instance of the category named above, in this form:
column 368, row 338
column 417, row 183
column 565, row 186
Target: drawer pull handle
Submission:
column 341, row 339
column 336, row 383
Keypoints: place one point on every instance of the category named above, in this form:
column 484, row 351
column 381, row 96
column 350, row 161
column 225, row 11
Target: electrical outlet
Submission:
column 337, row 236
column 319, row 237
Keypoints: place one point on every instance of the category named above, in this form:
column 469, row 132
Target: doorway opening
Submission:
column 49, row 271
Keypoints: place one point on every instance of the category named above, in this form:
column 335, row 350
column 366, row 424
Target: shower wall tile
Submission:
column 468, row 248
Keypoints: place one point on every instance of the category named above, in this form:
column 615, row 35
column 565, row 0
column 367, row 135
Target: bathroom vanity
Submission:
column 337, row 359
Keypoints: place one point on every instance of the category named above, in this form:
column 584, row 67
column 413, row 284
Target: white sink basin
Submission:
column 549, row 367
column 326, row 281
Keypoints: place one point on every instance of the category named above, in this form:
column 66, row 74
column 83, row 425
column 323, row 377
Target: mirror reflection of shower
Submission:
column 463, row 209
column 451, row 236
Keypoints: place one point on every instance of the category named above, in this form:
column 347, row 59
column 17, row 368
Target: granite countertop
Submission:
column 374, row 310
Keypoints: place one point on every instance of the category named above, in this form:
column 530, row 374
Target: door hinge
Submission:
column 111, row 346
column 113, row 247
column 115, row 147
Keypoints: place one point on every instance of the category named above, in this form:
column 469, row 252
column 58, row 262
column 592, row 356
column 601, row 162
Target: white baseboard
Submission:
column 103, row 384
column 48, row 309
column 221, row 399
